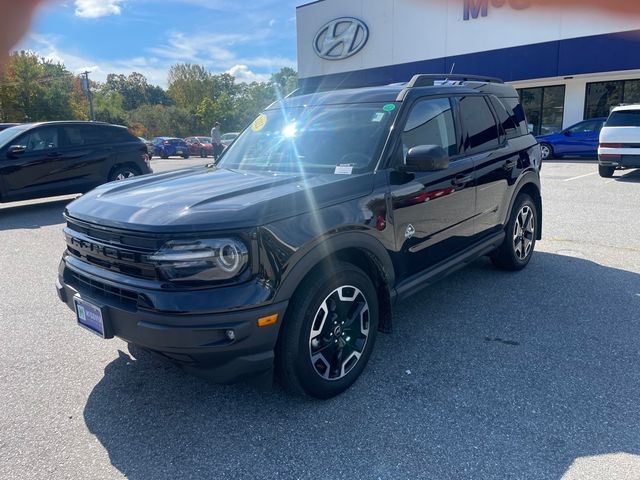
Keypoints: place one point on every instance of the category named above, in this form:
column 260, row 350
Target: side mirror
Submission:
column 426, row 158
column 566, row 133
column 15, row 150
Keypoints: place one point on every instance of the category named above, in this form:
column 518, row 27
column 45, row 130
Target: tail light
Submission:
column 146, row 159
column 611, row 145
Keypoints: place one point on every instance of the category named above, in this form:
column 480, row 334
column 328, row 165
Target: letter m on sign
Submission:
column 475, row 8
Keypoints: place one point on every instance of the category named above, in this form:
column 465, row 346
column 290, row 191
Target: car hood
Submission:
column 208, row 198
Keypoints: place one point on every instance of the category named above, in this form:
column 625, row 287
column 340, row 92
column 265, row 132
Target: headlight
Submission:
column 200, row 261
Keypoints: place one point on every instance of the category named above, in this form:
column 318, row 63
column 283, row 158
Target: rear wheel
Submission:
column 185, row 156
column 329, row 332
column 163, row 155
column 203, row 153
column 122, row 173
column 521, row 233
column 606, row 172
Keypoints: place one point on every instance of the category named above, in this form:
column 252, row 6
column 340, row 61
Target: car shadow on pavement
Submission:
column 631, row 177
column 487, row 375
column 33, row 215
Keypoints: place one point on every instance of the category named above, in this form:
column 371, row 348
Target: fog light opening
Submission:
column 231, row 335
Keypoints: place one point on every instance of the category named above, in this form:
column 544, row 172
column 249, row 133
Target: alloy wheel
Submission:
column 546, row 151
column 124, row 175
column 524, row 231
column 339, row 333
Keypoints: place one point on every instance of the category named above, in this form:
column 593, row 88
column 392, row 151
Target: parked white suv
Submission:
column 620, row 141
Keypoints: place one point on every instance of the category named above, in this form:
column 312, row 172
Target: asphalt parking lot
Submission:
column 488, row 375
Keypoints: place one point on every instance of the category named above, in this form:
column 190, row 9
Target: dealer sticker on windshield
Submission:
column 259, row 123
column 344, row 170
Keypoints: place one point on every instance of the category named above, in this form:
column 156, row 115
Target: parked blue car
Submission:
column 165, row 147
column 579, row 140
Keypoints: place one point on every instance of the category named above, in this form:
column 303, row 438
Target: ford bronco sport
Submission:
column 290, row 253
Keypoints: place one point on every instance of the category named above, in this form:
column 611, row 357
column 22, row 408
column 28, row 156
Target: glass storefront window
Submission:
column 544, row 107
column 602, row 96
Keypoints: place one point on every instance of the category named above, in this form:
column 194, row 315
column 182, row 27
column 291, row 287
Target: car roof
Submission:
column 73, row 122
column 398, row 92
column 623, row 108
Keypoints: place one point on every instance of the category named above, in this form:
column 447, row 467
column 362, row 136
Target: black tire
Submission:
column 606, row 172
column 203, row 153
column 124, row 172
column 163, row 155
column 547, row 151
column 518, row 247
column 186, row 157
column 340, row 292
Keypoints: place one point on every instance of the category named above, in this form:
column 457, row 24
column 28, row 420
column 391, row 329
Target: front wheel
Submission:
column 329, row 332
column 521, row 233
column 203, row 153
column 547, row 151
column 606, row 172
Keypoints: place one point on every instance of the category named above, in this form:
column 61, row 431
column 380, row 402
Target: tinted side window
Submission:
column 121, row 135
column 516, row 112
column 479, row 123
column 46, row 138
column 430, row 123
column 584, row 127
column 509, row 126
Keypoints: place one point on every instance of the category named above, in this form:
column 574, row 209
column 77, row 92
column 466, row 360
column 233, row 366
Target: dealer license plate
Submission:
column 90, row 316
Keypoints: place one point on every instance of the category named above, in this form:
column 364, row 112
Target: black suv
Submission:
column 327, row 211
column 59, row 158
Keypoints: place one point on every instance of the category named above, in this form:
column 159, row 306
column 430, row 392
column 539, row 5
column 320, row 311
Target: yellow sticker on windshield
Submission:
column 259, row 123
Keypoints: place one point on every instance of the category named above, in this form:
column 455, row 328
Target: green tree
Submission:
column 285, row 81
column 189, row 85
column 135, row 90
column 34, row 89
column 109, row 107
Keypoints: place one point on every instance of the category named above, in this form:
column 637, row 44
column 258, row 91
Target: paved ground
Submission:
column 488, row 375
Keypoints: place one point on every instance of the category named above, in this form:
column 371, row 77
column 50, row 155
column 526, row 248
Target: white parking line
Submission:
column 578, row 178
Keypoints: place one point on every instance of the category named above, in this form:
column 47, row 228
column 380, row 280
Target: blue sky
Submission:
column 250, row 39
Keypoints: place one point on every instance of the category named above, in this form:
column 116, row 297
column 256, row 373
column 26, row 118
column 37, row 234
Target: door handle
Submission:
column 510, row 165
column 462, row 180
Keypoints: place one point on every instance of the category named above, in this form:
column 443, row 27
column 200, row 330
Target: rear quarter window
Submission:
column 506, row 121
column 480, row 126
column 624, row 118
column 516, row 112
column 121, row 135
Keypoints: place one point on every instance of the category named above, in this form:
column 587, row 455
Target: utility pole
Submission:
column 86, row 87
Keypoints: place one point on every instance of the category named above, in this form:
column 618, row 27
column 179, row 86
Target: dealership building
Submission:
column 568, row 66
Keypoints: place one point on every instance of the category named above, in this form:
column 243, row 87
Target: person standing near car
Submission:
column 216, row 140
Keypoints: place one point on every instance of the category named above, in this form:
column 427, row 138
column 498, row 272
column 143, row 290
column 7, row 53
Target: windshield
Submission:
column 318, row 138
column 204, row 139
column 8, row 135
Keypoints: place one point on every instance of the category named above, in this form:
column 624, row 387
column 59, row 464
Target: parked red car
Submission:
column 200, row 146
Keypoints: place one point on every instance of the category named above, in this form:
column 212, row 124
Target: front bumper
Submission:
column 199, row 341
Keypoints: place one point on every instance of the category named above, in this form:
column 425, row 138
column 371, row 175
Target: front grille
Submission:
column 101, row 290
column 112, row 250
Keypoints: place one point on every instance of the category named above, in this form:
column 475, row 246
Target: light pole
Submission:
column 86, row 87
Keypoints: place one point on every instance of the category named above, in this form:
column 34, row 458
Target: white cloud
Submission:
column 97, row 8
column 243, row 74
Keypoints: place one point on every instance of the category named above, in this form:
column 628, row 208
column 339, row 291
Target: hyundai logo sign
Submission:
column 341, row 38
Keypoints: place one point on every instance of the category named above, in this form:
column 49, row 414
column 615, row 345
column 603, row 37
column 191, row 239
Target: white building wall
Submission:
column 404, row 31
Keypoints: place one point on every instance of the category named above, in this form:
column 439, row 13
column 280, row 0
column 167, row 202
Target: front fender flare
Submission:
column 305, row 260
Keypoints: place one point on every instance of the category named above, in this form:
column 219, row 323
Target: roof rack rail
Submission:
column 429, row 80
